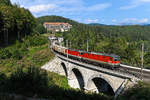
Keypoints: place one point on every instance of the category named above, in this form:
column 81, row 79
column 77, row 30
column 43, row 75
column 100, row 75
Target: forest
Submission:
column 15, row 23
column 124, row 41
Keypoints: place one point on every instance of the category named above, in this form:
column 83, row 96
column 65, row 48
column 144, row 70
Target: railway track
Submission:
column 142, row 74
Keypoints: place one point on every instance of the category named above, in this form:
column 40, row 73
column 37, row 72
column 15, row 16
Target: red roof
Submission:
column 56, row 23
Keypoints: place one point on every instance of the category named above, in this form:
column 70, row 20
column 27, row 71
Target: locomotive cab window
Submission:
column 117, row 59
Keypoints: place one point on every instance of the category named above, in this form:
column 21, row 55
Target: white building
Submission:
column 57, row 26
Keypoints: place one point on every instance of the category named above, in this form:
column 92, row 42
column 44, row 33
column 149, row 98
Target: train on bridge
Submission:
column 102, row 59
column 109, row 61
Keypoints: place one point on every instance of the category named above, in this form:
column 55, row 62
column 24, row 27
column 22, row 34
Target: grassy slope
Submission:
column 35, row 56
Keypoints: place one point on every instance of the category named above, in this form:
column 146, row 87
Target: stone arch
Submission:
column 98, row 83
column 77, row 78
column 65, row 68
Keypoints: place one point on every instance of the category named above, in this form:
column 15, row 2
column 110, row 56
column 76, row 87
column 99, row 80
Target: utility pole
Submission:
column 70, row 44
column 67, row 52
column 87, row 46
column 142, row 60
column 67, row 48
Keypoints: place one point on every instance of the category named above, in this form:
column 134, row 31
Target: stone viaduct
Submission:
column 89, row 77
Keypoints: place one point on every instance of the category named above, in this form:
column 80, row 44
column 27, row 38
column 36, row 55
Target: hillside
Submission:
column 96, row 24
column 133, row 32
column 54, row 18
column 147, row 25
column 124, row 41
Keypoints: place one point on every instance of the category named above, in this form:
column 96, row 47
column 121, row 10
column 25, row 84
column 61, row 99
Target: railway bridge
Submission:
column 89, row 77
column 94, row 78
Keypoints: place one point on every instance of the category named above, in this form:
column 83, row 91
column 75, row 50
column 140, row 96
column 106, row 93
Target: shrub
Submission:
column 5, row 53
column 140, row 91
column 16, row 53
column 28, row 81
column 3, row 80
column 35, row 40
column 40, row 29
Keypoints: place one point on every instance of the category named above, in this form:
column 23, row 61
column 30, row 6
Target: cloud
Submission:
column 129, row 7
column 134, row 4
column 133, row 21
column 41, row 8
column 66, row 9
column 61, row 7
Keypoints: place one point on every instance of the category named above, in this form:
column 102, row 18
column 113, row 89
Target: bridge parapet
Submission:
column 116, row 73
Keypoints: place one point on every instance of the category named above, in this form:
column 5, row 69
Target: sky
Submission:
column 110, row 12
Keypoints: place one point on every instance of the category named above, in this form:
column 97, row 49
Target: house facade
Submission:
column 57, row 26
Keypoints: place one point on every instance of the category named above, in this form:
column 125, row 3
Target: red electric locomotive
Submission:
column 97, row 58
column 108, row 60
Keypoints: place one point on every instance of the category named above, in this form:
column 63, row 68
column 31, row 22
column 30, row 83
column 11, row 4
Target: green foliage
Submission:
column 16, row 23
column 40, row 57
column 5, row 2
column 138, row 92
column 32, row 78
column 35, row 40
column 60, row 81
column 5, row 53
column 3, row 80
column 147, row 59
column 25, row 53
column 104, row 42
column 16, row 52
column 54, row 18
column 40, row 29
